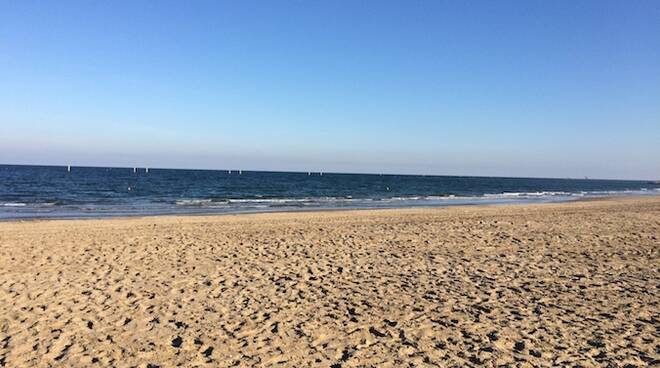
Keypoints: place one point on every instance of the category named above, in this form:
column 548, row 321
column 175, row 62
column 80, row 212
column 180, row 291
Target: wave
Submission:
column 193, row 202
column 226, row 202
column 330, row 201
column 31, row 205
column 399, row 200
column 163, row 205
column 13, row 204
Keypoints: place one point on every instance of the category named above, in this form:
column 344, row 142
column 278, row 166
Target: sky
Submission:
column 494, row 88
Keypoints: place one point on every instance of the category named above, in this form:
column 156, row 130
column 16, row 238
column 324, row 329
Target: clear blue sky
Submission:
column 510, row 88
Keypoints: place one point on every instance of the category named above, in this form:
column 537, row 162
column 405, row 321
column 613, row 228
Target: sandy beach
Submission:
column 571, row 284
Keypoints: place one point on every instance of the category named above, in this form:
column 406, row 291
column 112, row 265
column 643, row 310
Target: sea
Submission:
column 28, row 192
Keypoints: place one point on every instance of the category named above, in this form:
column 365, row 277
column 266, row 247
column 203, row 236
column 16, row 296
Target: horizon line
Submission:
column 653, row 181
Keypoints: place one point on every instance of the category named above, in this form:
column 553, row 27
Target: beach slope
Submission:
column 539, row 285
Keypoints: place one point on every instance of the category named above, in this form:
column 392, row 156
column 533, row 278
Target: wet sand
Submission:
column 573, row 284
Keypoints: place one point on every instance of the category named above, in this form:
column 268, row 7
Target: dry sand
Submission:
column 573, row 284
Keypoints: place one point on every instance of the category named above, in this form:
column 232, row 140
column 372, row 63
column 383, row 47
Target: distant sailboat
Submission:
column 68, row 168
column 146, row 170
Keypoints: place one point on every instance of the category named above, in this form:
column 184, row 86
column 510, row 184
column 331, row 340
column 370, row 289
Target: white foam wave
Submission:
column 398, row 200
column 193, row 202
column 263, row 201
column 532, row 194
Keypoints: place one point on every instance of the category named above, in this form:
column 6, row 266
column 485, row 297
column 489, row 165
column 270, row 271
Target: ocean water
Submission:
column 50, row 191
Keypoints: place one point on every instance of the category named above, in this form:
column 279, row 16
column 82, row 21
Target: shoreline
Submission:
column 326, row 209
